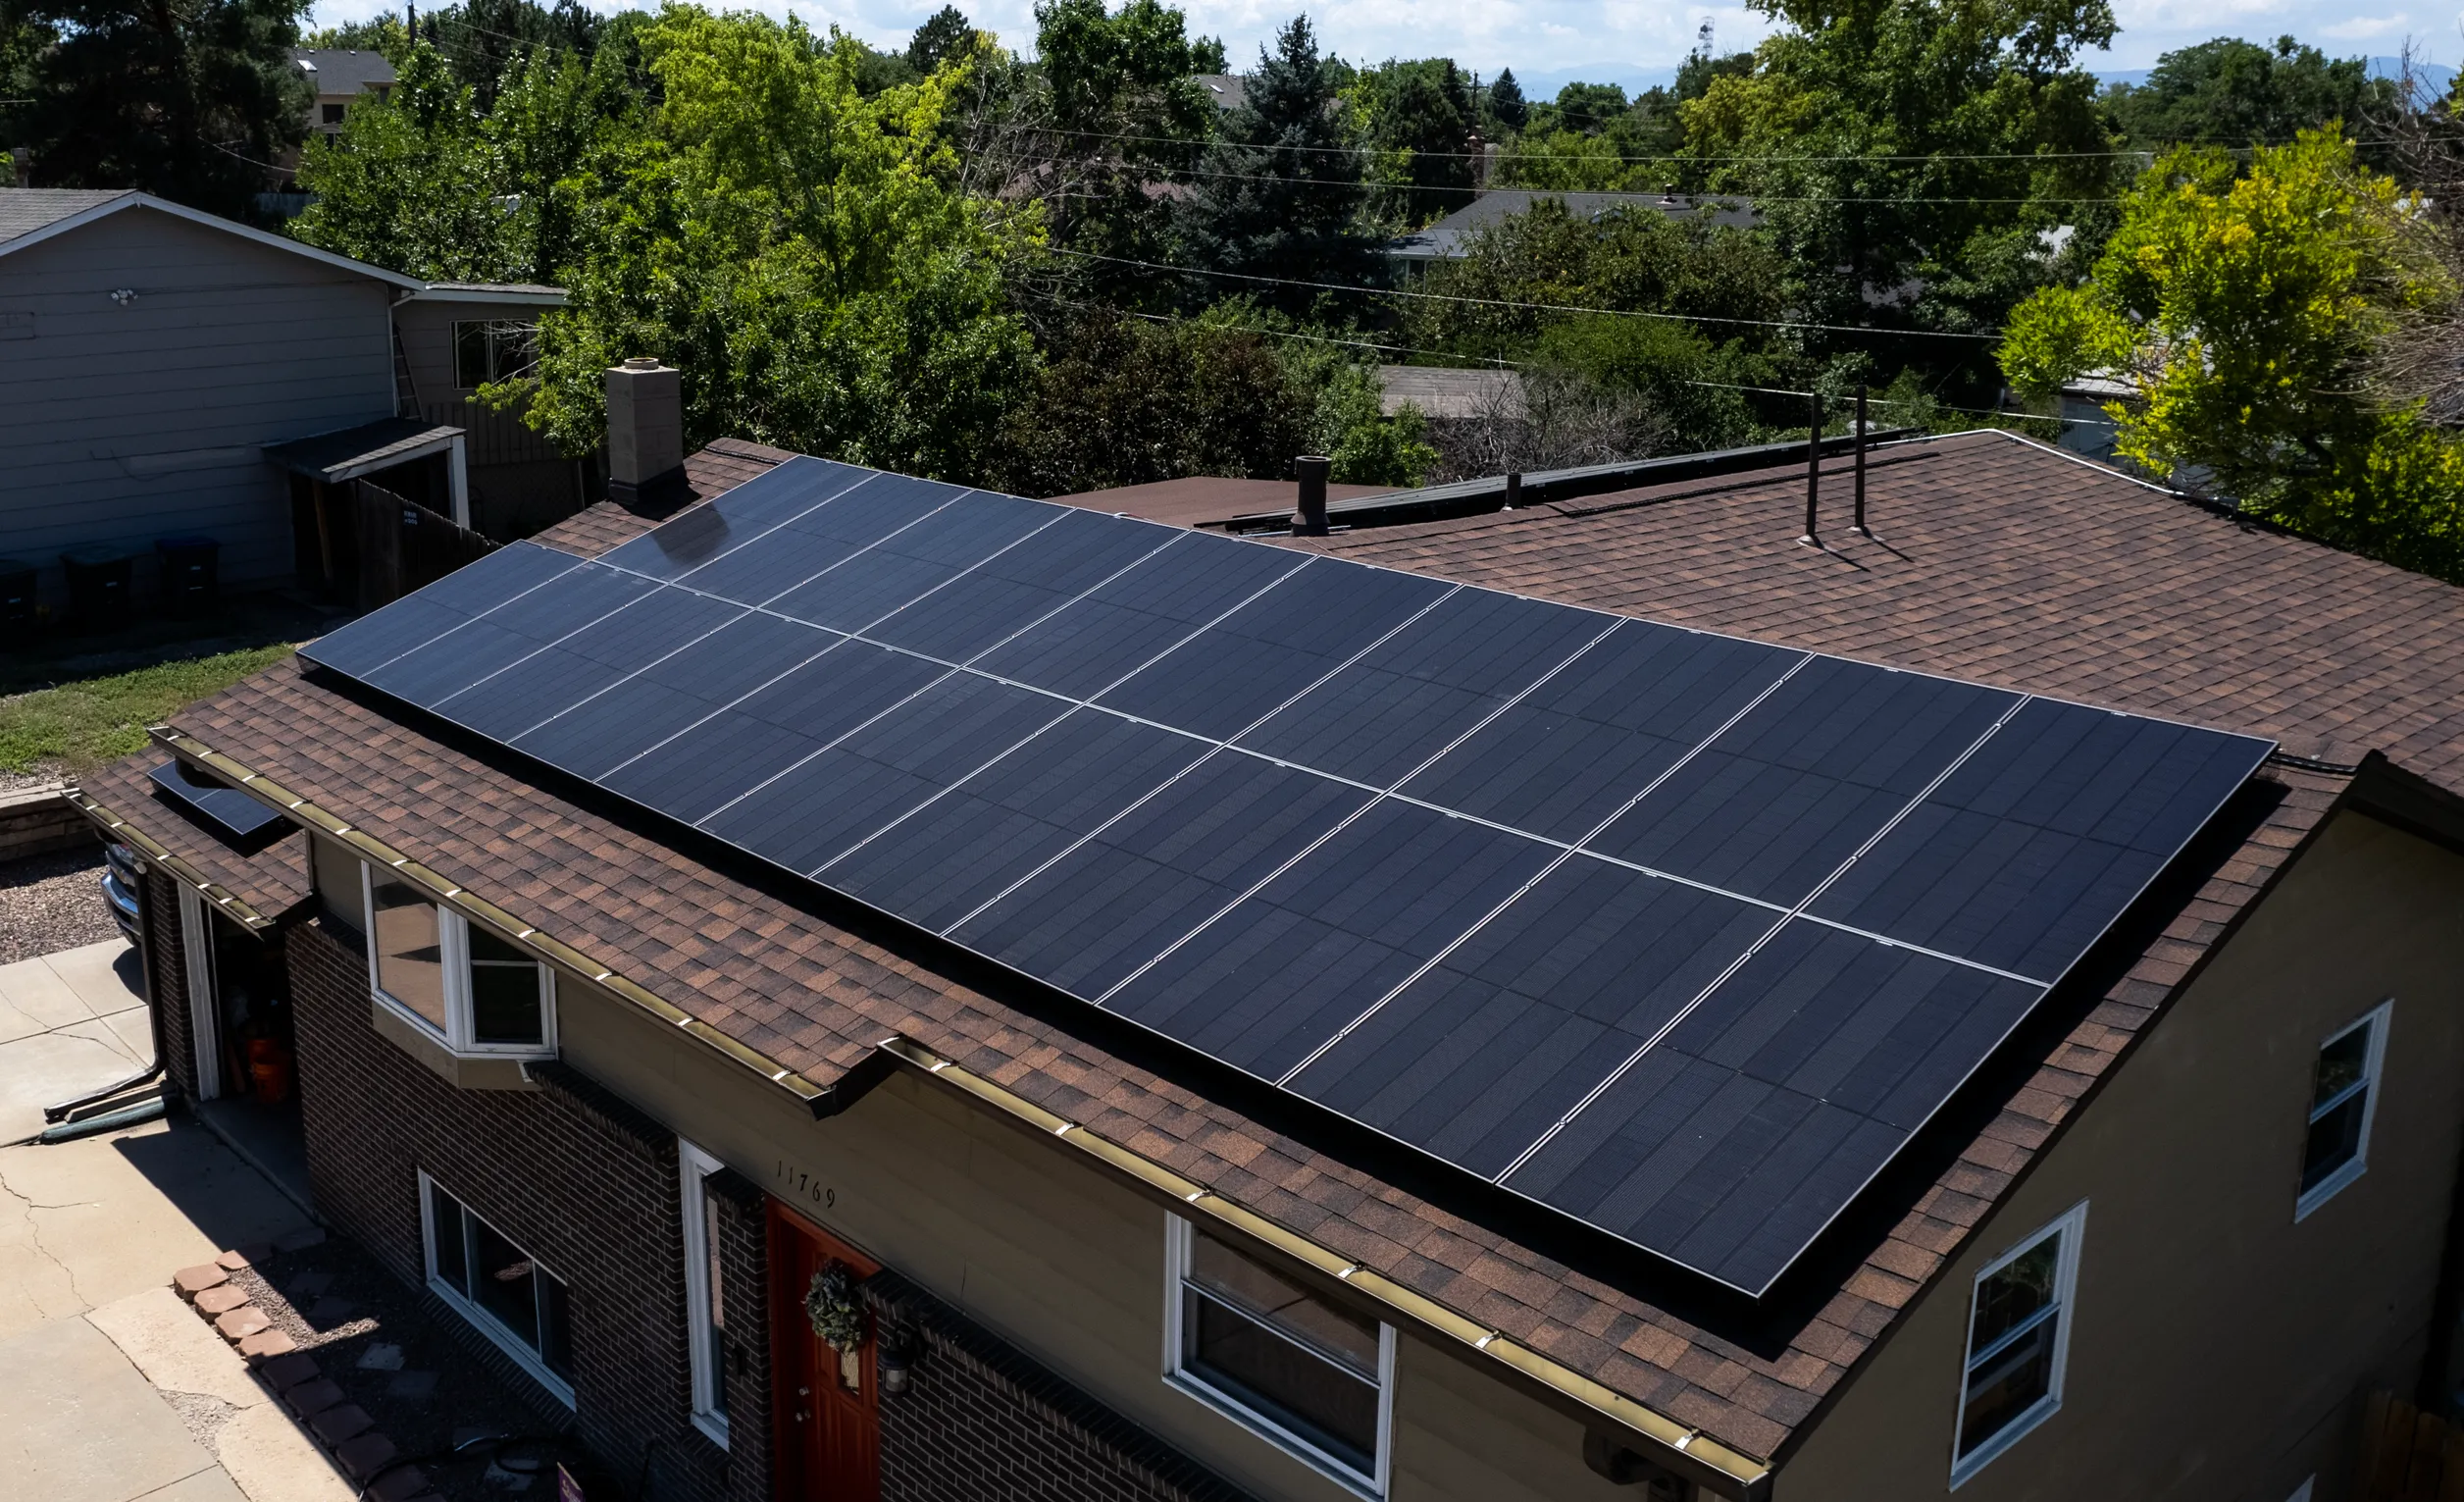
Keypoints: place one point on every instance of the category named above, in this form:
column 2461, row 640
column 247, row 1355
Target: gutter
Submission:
column 1673, row 1445
column 822, row 1100
column 144, row 845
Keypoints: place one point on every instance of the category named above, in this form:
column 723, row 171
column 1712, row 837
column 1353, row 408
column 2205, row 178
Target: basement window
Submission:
column 705, row 1291
column 1310, row 1377
column 2018, row 1336
column 501, row 1289
column 474, row 991
column 2343, row 1096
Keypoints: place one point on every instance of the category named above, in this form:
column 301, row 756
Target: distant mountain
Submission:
column 2439, row 76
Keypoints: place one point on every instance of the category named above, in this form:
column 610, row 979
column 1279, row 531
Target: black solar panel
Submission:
column 1678, row 935
column 228, row 813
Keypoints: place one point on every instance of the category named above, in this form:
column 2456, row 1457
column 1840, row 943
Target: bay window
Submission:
column 470, row 989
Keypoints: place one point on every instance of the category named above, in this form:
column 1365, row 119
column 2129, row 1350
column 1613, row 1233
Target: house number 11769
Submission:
column 797, row 1181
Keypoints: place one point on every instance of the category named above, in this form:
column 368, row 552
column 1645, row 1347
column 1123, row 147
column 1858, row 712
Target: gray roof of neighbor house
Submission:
column 24, row 210
column 29, row 216
column 1443, row 240
column 1229, row 90
column 339, row 70
column 1445, row 392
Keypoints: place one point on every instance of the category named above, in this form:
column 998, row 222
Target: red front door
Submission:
column 827, row 1400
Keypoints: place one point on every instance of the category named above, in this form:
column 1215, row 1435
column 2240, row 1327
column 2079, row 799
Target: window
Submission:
column 499, row 1288
column 474, row 991
column 1309, row 1375
column 705, row 1291
column 2343, row 1094
column 2018, row 1331
column 494, row 350
column 331, row 114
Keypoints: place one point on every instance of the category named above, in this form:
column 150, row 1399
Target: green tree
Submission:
column 1418, row 127
column 383, row 35
column 2244, row 306
column 428, row 182
column 194, row 101
column 1206, row 56
column 800, row 251
column 2231, row 92
column 946, row 35
column 1506, row 101
column 1910, row 156
column 1278, row 193
column 486, row 40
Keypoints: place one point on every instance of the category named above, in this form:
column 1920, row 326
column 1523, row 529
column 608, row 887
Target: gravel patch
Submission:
column 53, row 902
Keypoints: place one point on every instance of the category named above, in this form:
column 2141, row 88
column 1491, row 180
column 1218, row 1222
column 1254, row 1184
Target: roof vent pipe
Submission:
column 1513, row 490
column 645, row 434
column 1813, row 476
column 1310, row 520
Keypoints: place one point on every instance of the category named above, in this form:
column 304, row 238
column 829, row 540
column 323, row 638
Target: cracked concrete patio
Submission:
column 111, row 1388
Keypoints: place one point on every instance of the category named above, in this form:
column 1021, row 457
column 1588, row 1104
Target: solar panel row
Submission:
column 1682, row 935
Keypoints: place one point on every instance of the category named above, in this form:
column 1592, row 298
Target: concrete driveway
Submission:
column 70, row 1022
column 111, row 1388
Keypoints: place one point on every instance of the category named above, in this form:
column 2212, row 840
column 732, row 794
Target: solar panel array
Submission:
column 1682, row 935
column 235, row 816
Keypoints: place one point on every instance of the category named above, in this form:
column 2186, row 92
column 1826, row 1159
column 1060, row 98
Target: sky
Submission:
column 1550, row 41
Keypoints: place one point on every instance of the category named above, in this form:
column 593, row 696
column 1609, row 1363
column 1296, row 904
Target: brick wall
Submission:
column 573, row 1175
column 168, row 984
column 982, row 1423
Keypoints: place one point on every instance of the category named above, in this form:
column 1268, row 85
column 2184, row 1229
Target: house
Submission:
column 763, row 1185
column 340, row 75
column 169, row 373
column 1444, row 239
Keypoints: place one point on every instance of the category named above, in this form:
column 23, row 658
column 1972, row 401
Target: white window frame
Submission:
column 693, row 1167
column 481, row 1319
column 2071, row 1225
column 1177, row 1235
column 453, row 941
column 2376, row 1019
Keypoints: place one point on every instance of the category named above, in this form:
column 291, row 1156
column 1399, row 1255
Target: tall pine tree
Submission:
column 1279, row 193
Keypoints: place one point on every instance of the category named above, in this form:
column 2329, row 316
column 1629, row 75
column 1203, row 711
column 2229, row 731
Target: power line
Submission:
column 1534, row 307
column 1440, row 187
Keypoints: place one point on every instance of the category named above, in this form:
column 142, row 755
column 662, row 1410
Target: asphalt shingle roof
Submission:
column 24, row 210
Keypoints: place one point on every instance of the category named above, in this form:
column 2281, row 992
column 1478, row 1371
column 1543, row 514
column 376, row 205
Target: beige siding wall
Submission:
column 1056, row 1256
column 125, row 424
column 2217, row 1349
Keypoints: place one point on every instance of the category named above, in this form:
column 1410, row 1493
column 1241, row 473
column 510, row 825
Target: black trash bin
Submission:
column 17, row 601
column 190, row 566
column 98, row 586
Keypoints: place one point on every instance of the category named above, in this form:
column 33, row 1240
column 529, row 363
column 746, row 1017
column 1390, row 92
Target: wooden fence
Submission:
column 2407, row 1455
column 403, row 545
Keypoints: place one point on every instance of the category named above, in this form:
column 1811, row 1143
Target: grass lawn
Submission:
column 84, row 724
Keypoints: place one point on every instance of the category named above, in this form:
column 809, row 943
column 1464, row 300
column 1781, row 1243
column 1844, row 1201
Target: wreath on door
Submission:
column 830, row 1303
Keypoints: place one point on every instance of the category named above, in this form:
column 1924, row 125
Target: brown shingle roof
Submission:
column 1984, row 563
column 272, row 879
column 815, row 996
column 2001, row 562
column 714, row 471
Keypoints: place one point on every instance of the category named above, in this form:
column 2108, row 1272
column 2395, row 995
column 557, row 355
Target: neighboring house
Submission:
column 1444, row 239
column 1450, row 394
column 662, row 1120
column 1229, row 90
column 167, row 373
column 340, row 77
column 457, row 336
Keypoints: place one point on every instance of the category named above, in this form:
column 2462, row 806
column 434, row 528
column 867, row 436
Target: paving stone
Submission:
column 401, row 1484
column 301, row 1239
column 341, row 1423
column 267, row 1344
column 362, row 1455
column 285, row 1373
column 307, row 1286
column 221, row 1300
column 310, row 1399
column 412, row 1386
column 241, row 1322
column 381, row 1356
column 195, row 1280
column 328, row 1312
column 235, row 1260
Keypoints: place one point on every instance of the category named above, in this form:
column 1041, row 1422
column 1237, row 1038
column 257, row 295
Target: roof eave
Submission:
column 136, row 199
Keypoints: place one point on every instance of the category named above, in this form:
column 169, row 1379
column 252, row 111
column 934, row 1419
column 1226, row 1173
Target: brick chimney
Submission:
column 645, row 435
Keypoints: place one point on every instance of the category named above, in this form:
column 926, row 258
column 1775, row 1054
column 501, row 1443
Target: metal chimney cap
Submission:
column 642, row 362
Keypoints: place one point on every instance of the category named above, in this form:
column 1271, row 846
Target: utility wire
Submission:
column 1534, row 307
